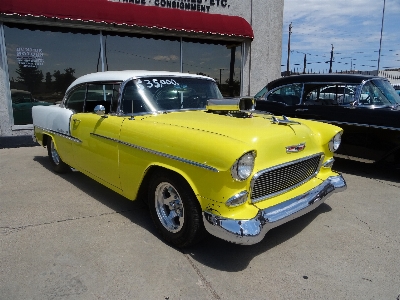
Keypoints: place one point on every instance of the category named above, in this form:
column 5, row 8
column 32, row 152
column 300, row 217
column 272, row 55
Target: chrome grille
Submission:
column 279, row 179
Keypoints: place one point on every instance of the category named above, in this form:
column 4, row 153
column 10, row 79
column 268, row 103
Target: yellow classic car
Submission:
column 201, row 162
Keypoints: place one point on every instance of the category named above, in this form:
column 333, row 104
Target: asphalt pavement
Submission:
column 68, row 237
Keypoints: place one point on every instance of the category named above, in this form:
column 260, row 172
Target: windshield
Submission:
column 260, row 93
column 379, row 92
column 149, row 94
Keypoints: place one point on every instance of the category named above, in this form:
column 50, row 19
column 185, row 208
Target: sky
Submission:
column 353, row 27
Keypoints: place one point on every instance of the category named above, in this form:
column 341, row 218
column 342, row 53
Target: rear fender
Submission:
column 52, row 118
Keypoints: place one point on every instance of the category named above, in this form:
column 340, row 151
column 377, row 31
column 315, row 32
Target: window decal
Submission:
column 30, row 57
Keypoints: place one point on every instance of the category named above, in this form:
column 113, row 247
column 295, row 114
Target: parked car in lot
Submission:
column 366, row 107
column 22, row 103
column 397, row 89
column 201, row 162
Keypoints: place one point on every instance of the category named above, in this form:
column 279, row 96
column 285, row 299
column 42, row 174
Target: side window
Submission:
column 346, row 94
column 315, row 94
column 288, row 94
column 86, row 97
column 328, row 94
column 99, row 94
column 76, row 99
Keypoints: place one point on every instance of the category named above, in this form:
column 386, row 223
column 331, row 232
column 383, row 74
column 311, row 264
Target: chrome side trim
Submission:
column 66, row 136
column 258, row 174
column 358, row 124
column 187, row 161
column 252, row 231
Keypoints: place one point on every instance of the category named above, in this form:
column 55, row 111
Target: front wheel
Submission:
column 58, row 165
column 174, row 209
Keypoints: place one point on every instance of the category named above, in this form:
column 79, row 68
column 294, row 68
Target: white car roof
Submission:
column 127, row 74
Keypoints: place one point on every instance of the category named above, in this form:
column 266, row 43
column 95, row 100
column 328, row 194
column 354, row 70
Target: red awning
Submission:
column 135, row 15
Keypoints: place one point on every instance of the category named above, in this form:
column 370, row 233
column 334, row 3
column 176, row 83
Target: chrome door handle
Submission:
column 301, row 109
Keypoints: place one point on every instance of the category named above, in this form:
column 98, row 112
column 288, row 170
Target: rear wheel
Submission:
column 174, row 209
column 58, row 165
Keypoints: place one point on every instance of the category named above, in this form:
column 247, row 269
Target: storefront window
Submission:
column 43, row 63
column 221, row 62
column 124, row 52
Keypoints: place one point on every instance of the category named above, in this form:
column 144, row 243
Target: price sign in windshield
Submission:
column 152, row 83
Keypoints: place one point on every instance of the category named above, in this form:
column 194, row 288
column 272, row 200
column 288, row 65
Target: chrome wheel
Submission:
column 174, row 208
column 58, row 165
column 54, row 153
column 169, row 207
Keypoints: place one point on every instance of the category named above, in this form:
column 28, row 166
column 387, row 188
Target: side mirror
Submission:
column 99, row 110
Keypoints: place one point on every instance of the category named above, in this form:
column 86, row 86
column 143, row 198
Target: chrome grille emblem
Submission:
column 295, row 148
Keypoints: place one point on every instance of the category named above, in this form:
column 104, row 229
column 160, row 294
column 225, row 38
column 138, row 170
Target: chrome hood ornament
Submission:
column 284, row 121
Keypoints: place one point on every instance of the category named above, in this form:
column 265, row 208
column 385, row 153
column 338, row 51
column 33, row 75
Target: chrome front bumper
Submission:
column 248, row 232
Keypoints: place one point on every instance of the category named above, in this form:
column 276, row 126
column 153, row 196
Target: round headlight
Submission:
column 243, row 167
column 335, row 142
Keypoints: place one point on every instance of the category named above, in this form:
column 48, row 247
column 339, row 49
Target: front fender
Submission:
column 322, row 131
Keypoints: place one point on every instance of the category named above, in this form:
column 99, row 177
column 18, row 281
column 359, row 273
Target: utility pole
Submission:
column 380, row 42
column 288, row 55
column 305, row 63
column 330, row 62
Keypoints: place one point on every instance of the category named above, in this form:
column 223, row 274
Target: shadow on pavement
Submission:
column 17, row 141
column 212, row 252
column 375, row 171
column 221, row 255
column 136, row 211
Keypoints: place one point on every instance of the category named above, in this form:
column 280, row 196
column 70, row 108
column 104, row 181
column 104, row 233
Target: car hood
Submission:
column 218, row 140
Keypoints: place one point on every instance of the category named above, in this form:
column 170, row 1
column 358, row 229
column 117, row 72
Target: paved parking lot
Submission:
column 68, row 237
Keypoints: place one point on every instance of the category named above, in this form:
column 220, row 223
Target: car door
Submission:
column 335, row 104
column 323, row 102
column 375, row 114
column 96, row 153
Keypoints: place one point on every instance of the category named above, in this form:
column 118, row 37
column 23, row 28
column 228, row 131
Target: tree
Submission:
column 63, row 80
column 48, row 80
column 30, row 76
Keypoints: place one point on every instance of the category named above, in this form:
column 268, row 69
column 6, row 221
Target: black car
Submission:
column 366, row 107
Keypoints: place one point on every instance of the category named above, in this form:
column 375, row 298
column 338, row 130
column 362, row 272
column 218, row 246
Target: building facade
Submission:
column 45, row 45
